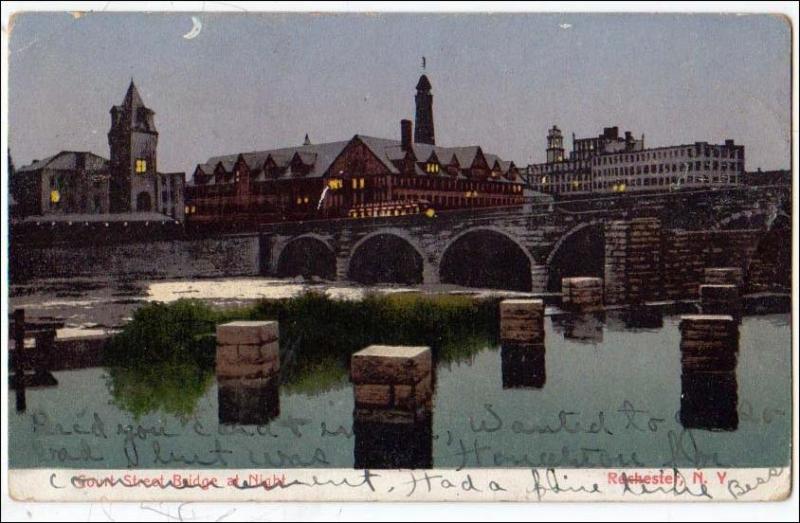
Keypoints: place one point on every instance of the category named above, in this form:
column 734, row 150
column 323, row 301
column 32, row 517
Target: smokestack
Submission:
column 405, row 134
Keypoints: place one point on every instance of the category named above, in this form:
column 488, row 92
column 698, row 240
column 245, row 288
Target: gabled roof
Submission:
column 321, row 156
column 307, row 157
column 318, row 156
column 68, row 161
column 381, row 148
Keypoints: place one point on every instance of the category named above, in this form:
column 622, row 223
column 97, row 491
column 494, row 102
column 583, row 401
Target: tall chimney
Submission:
column 423, row 129
column 405, row 134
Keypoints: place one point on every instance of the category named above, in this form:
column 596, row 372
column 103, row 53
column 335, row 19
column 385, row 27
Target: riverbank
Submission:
column 101, row 304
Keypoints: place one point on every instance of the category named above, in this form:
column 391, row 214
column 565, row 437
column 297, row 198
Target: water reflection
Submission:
column 248, row 402
column 393, row 445
column 21, row 403
column 21, row 381
column 635, row 318
column 709, row 389
column 709, row 400
column 523, row 366
column 583, row 328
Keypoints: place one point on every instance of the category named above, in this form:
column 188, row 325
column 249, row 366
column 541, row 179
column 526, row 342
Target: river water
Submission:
column 606, row 392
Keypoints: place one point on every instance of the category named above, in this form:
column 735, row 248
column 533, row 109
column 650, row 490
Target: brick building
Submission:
column 69, row 182
column 613, row 164
column 73, row 182
column 360, row 177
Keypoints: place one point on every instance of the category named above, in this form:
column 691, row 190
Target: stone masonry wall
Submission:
column 202, row 258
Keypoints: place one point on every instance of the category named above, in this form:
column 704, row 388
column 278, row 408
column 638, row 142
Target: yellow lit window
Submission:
column 55, row 196
column 186, row 210
column 361, row 183
column 141, row 166
column 305, row 199
column 299, row 200
column 355, row 183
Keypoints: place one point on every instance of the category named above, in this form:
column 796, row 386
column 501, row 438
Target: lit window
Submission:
column 141, row 166
column 355, row 183
column 55, row 196
column 361, row 183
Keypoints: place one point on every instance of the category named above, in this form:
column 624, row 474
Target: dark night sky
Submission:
column 250, row 82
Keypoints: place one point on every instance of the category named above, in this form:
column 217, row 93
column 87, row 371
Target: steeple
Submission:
column 132, row 97
column 307, row 141
column 133, row 143
column 423, row 128
column 132, row 114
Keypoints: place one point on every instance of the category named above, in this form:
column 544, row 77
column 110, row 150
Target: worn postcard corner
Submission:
column 408, row 257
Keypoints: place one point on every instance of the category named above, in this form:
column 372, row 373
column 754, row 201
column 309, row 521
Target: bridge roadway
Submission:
column 526, row 247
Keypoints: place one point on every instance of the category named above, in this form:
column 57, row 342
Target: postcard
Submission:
column 376, row 256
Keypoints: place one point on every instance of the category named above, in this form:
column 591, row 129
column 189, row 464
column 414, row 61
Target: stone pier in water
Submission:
column 582, row 294
column 248, row 372
column 522, row 354
column 633, row 261
column 721, row 299
column 522, row 321
column 393, row 396
column 709, row 390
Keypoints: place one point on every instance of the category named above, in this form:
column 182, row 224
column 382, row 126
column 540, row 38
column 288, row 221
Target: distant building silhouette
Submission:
column 610, row 163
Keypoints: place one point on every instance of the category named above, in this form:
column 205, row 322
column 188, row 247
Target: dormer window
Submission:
column 141, row 166
column 432, row 168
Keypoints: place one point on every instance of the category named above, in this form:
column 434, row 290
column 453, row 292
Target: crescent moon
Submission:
column 197, row 26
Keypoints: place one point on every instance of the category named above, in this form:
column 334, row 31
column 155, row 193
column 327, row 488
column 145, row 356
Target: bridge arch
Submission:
column 486, row 257
column 386, row 256
column 751, row 219
column 770, row 266
column 581, row 251
column 308, row 255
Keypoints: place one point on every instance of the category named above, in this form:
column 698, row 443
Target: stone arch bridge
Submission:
column 530, row 247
